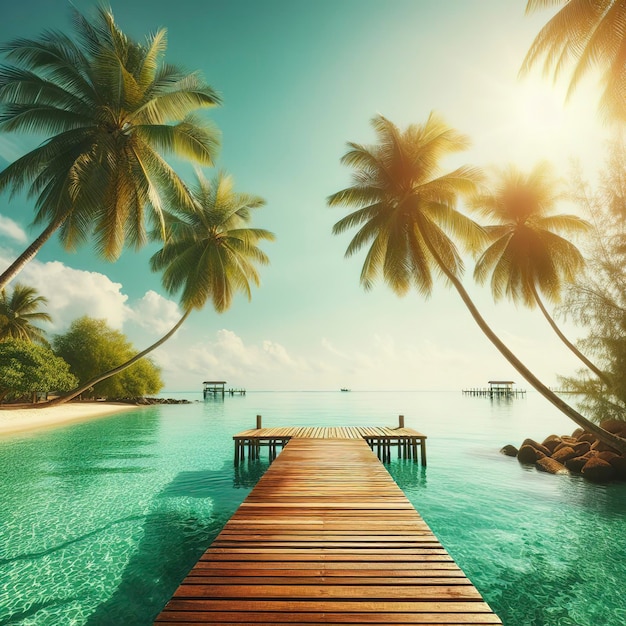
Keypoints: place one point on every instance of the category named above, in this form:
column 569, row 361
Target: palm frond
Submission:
column 175, row 100
column 374, row 260
column 39, row 118
column 151, row 59
column 564, row 223
column 18, row 311
column 490, row 259
column 210, row 252
column 444, row 247
column 20, row 86
column 526, row 250
column 99, row 99
column 377, row 226
column 187, row 139
column 355, row 196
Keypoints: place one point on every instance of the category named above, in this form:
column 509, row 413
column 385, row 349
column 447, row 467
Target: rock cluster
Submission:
column 578, row 453
column 146, row 401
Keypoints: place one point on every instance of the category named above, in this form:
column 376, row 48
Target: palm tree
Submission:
column 406, row 208
column 588, row 34
column 18, row 311
column 110, row 108
column 527, row 256
column 210, row 254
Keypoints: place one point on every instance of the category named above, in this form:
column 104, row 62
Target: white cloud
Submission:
column 12, row 230
column 278, row 354
column 155, row 313
column 73, row 293
column 267, row 364
column 263, row 365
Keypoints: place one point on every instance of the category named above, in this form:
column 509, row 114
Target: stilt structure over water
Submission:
column 326, row 537
column 213, row 388
column 496, row 389
column 410, row 443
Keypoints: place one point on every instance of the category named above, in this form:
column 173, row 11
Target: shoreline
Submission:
column 19, row 420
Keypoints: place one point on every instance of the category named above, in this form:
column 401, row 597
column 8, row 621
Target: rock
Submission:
column 529, row 454
column 600, row 446
column 146, row 401
column 617, row 427
column 587, row 437
column 607, row 456
column 568, row 439
column 581, row 448
column 598, row 471
column 509, row 450
column 551, row 442
column 618, row 463
column 576, row 464
column 564, row 454
column 577, row 433
column 546, row 464
column 537, row 446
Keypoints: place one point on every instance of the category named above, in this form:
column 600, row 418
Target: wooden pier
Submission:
column 213, row 388
column 326, row 537
column 498, row 389
column 410, row 444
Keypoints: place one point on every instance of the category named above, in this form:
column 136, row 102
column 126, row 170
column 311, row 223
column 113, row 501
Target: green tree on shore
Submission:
column 110, row 108
column 406, row 208
column 598, row 298
column 209, row 254
column 90, row 346
column 27, row 369
column 527, row 256
column 19, row 310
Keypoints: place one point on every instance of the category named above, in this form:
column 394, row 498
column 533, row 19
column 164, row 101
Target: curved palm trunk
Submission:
column 609, row 438
column 116, row 370
column 596, row 370
column 29, row 253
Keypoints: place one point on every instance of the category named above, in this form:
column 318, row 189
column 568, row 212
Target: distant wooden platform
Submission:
column 409, row 442
column 326, row 537
column 494, row 393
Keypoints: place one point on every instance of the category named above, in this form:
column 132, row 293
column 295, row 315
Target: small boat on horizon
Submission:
column 344, row 389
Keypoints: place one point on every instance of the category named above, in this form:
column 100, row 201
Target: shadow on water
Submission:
column 518, row 604
column 176, row 533
column 409, row 475
column 69, row 542
column 33, row 609
column 86, row 455
column 246, row 475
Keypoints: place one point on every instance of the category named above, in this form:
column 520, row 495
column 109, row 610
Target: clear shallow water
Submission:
column 101, row 520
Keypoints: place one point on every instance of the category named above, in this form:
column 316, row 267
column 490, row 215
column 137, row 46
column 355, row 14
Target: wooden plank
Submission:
column 327, row 537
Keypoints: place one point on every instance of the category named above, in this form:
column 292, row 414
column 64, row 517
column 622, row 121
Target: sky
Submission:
column 300, row 79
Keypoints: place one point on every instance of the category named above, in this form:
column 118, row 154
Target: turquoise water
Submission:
column 101, row 520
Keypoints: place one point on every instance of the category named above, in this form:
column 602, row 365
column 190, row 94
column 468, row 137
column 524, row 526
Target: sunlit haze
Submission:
column 299, row 80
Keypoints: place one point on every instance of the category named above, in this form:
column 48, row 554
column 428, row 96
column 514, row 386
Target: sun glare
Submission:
column 538, row 108
column 532, row 121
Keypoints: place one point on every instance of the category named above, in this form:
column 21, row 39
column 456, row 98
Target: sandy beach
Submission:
column 21, row 419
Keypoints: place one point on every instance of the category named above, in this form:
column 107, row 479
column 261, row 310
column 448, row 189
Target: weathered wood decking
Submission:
column 380, row 439
column 326, row 537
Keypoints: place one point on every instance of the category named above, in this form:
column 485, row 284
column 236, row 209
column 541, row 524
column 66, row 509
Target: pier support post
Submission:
column 259, row 421
column 400, row 421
